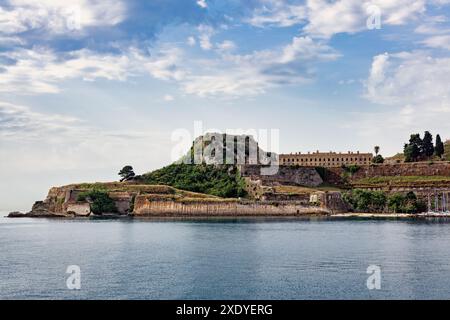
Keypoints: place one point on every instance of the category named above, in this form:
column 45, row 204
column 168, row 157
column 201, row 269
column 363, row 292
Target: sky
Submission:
column 88, row 86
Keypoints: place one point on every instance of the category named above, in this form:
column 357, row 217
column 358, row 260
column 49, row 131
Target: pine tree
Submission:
column 439, row 149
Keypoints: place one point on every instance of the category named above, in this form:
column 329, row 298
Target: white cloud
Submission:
column 349, row 16
column 41, row 70
column 413, row 89
column 324, row 18
column 71, row 141
column 441, row 41
column 222, row 72
column 245, row 75
column 191, row 41
column 410, row 78
column 206, row 32
column 19, row 121
column 305, row 48
column 164, row 66
column 226, row 45
column 168, row 98
column 202, row 3
column 58, row 16
column 10, row 41
column 278, row 13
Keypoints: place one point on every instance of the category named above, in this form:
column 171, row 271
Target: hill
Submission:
column 218, row 180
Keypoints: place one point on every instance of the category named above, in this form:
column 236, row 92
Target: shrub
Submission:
column 378, row 159
column 219, row 180
column 405, row 203
column 365, row 200
column 100, row 202
column 352, row 168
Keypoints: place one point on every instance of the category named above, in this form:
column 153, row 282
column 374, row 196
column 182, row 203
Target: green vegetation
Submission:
column 378, row 159
column 401, row 179
column 446, row 155
column 293, row 190
column 405, row 203
column 99, row 200
column 366, row 201
column 126, row 173
column 427, row 145
column 423, row 149
column 351, row 169
column 439, row 150
column 218, row 180
column 412, row 150
column 378, row 201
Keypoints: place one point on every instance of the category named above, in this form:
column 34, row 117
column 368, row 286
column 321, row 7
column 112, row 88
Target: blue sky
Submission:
column 89, row 86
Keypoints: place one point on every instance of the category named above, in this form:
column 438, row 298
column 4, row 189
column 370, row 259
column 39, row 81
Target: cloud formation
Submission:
column 57, row 17
column 323, row 18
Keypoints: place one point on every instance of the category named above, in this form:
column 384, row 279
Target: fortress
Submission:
column 325, row 159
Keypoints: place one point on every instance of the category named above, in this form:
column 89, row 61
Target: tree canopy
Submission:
column 126, row 173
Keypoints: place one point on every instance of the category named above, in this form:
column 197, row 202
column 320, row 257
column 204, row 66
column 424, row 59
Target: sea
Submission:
column 224, row 258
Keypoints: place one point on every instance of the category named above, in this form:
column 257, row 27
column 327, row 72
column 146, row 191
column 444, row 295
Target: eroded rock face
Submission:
column 219, row 148
column 287, row 175
column 79, row 209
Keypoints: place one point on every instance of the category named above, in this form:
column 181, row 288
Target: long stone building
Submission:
column 325, row 159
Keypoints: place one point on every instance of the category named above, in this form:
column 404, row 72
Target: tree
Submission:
column 427, row 145
column 439, row 149
column 378, row 159
column 413, row 149
column 376, row 149
column 126, row 173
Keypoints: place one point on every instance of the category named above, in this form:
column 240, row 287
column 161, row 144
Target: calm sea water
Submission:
column 224, row 259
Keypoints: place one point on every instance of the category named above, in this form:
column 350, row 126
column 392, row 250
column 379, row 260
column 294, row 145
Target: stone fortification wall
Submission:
column 151, row 207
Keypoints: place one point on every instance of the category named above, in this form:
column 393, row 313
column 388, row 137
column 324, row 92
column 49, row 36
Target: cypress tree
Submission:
column 427, row 145
column 439, row 149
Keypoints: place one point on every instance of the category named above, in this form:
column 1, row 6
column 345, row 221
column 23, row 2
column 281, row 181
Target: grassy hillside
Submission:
column 402, row 179
column 223, row 181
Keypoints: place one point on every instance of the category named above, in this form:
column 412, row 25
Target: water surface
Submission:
column 224, row 258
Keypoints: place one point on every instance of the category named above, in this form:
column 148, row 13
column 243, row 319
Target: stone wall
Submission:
column 404, row 169
column 150, row 207
column 335, row 175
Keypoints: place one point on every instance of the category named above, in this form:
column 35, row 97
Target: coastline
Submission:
column 389, row 215
column 178, row 216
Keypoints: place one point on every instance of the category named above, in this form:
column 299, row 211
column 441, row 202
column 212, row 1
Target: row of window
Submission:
column 326, row 160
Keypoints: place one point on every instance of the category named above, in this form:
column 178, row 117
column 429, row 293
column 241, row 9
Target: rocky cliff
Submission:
column 154, row 200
